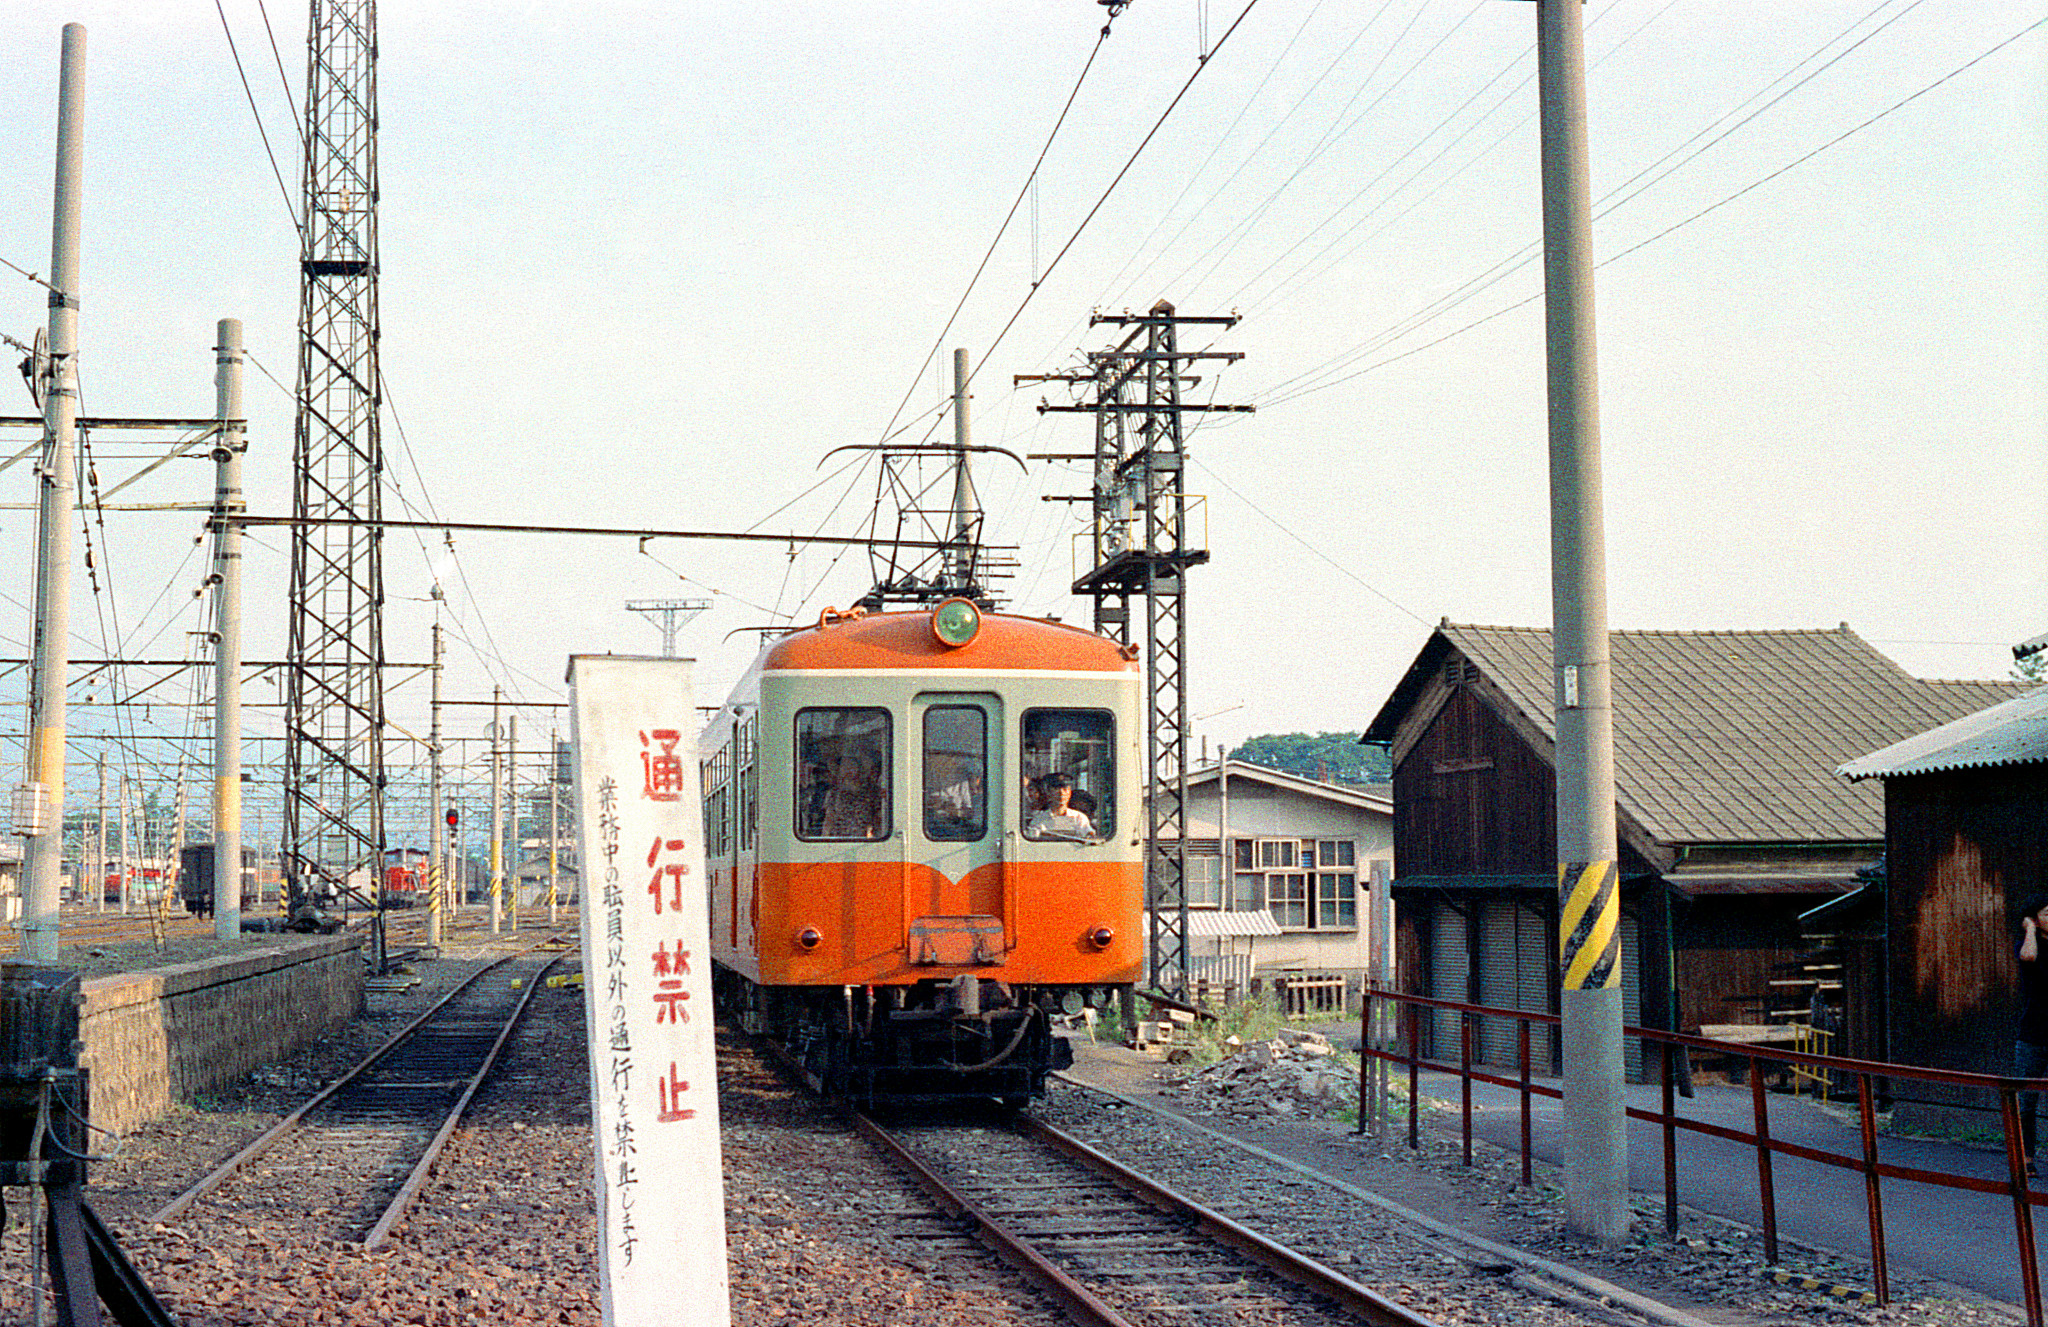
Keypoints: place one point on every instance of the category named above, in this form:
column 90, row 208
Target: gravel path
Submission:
column 1716, row 1271
column 821, row 1232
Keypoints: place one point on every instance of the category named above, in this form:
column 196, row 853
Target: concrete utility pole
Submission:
column 127, row 871
column 512, row 808
column 99, row 874
column 227, row 599
column 497, row 817
column 554, row 827
column 1588, row 881
column 43, row 868
column 436, row 885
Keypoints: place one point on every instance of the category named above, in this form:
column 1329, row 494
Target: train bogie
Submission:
column 920, row 851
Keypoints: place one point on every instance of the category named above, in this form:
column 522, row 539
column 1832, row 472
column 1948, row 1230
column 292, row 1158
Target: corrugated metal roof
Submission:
column 1210, row 924
column 2014, row 732
column 1733, row 736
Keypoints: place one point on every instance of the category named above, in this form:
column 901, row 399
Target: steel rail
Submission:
column 1080, row 1303
column 1277, row 1258
column 269, row 1138
column 401, row 1202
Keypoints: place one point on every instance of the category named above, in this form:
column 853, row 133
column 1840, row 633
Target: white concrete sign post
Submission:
column 647, row 993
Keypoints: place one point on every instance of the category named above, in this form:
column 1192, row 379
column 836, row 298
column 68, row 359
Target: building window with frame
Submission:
column 843, row 765
column 1203, row 882
column 1287, row 898
column 1293, row 879
column 1281, row 854
column 1337, row 900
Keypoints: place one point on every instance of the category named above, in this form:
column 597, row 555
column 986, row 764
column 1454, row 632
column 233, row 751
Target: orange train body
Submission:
column 919, row 847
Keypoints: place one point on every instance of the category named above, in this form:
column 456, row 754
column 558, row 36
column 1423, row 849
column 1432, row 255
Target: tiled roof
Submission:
column 1734, row 736
column 2013, row 732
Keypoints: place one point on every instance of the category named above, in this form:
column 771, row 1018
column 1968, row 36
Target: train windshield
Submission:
column 1069, row 774
column 955, row 769
column 843, row 774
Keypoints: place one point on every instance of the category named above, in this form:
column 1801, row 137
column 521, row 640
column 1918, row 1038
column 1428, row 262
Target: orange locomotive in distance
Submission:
column 924, row 840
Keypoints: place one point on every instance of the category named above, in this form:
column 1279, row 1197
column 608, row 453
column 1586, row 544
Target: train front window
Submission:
column 955, row 769
column 1069, row 775
column 843, row 769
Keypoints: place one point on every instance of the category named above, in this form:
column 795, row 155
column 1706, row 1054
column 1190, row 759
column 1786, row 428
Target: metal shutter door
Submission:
column 1631, row 997
column 1498, row 969
column 1448, row 971
column 1533, row 982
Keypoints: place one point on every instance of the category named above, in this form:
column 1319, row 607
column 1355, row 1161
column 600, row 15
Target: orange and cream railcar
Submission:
column 924, row 837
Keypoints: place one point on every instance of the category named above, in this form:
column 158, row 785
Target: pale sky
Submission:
column 646, row 264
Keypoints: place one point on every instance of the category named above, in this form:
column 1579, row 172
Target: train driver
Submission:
column 1058, row 819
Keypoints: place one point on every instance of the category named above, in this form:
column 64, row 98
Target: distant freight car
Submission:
column 195, row 887
column 924, row 835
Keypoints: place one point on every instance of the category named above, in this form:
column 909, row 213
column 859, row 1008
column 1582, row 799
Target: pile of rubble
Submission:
column 1296, row 1073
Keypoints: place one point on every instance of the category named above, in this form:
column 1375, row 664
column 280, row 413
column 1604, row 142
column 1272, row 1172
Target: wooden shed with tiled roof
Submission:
column 1966, row 846
column 1730, row 817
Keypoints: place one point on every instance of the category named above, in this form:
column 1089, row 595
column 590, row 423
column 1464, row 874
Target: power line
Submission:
column 1291, row 533
column 1029, row 181
column 30, row 275
column 611, row 531
column 261, row 132
column 1121, row 173
column 1845, row 134
column 1515, row 262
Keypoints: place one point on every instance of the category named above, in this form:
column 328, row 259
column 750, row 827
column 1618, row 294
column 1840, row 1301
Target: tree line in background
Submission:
column 1335, row 756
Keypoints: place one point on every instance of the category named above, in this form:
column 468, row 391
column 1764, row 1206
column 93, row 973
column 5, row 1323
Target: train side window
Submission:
column 750, row 785
column 1069, row 774
column 843, row 765
column 955, row 773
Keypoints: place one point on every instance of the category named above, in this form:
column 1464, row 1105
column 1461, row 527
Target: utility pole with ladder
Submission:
column 1142, row 548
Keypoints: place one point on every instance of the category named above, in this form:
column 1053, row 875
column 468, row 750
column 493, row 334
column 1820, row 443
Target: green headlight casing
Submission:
column 956, row 622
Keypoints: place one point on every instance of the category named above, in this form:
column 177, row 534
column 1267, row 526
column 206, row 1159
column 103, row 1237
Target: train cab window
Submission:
column 955, row 773
column 843, row 769
column 1069, row 775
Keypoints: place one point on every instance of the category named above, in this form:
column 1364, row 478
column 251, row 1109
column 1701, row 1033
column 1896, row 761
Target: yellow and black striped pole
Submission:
column 1589, row 925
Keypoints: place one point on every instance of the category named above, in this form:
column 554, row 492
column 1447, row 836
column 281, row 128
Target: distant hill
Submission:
column 1313, row 755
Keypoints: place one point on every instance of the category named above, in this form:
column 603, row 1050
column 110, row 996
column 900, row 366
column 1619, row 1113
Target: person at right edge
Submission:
column 2030, row 1042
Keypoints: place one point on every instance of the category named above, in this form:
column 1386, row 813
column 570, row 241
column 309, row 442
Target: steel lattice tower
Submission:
column 334, row 699
column 1143, row 545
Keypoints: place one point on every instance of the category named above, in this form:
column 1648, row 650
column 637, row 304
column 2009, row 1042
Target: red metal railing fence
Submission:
column 1873, row 1079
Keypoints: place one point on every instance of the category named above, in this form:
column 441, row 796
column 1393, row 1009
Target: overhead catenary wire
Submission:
column 297, row 225
column 1528, row 253
column 1123, row 171
column 1030, row 184
column 1280, row 393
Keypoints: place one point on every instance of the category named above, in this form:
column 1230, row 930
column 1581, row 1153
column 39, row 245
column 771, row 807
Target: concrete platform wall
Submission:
column 163, row 1035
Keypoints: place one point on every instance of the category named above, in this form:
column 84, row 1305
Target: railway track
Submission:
column 355, row 1155
column 1112, row 1247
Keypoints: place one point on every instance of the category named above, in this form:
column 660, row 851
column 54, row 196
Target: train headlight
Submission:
column 1101, row 937
column 809, row 938
column 956, row 622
